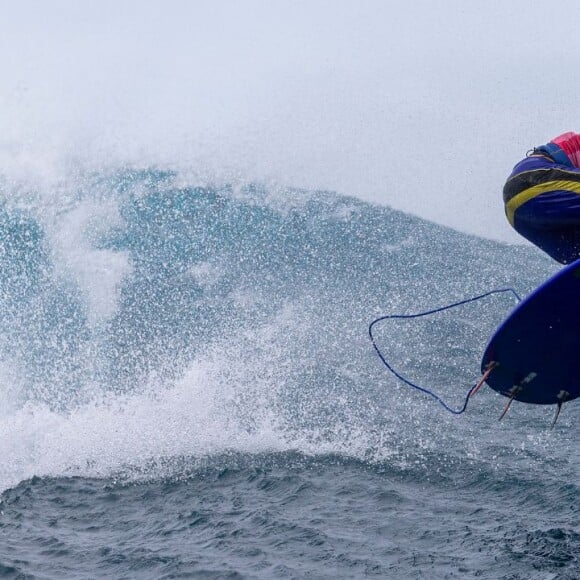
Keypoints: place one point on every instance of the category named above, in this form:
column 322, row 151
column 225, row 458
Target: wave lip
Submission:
column 144, row 317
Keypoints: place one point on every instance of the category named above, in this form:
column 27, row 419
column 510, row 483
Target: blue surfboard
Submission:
column 535, row 352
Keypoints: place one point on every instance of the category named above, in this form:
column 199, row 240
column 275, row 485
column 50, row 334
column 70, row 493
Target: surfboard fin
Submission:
column 507, row 407
column 484, row 377
column 512, row 392
column 563, row 396
column 558, row 409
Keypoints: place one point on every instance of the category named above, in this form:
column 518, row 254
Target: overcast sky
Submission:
column 421, row 105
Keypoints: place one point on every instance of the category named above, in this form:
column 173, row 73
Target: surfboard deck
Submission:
column 536, row 350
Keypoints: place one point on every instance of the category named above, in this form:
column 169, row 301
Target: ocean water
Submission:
column 188, row 390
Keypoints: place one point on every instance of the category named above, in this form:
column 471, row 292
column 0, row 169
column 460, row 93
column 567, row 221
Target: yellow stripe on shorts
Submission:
column 518, row 200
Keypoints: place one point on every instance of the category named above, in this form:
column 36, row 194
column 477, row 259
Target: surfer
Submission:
column 542, row 197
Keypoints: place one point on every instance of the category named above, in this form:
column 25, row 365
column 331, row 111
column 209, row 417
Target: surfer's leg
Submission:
column 551, row 221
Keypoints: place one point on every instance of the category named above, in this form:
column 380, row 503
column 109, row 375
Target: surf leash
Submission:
column 423, row 389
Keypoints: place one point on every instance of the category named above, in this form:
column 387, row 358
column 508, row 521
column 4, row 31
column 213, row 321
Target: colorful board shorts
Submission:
column 542, row 203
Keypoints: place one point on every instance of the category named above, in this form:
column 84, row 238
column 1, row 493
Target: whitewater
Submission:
column 188, row 390
column 203, row 206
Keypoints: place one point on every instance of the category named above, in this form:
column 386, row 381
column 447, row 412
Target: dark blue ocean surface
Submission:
column 188, row 390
